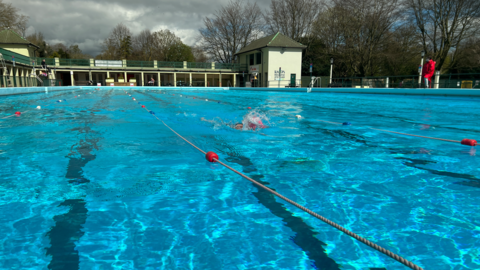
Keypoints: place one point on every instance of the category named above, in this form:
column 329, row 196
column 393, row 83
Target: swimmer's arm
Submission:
column 206, row 120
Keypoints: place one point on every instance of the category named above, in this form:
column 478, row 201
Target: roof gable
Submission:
column 11, row 37
column 275, row 40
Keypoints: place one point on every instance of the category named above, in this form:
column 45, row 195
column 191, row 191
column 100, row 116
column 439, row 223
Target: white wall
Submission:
column 265, row 67
column 290, row 61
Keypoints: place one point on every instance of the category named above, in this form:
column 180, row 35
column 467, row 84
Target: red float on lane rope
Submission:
column 143, row 106
column 249, row 108
column 469, row 142
column 210, row 156
column 18, row 113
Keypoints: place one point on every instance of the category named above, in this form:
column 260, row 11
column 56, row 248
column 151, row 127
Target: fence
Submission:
column 282, row 84
column 462, row 80
column 10, row 56
column 48, row 61
column 74, row 62
column 199, row 65
column 52, row 83
column 468, row 80
column 133, row 63
column 170, row 64
column 318, row 81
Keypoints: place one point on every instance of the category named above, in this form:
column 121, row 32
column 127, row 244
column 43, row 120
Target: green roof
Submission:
column 8, row 36
column 275, row 40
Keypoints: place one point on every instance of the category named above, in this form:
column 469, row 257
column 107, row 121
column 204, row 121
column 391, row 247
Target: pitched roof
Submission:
column 11, row 37
column 275, row 40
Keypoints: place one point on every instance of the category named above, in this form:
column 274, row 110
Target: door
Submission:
column 293, row 79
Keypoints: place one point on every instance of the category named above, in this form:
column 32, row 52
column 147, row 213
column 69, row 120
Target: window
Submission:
column 251, row 59
column 259, row 58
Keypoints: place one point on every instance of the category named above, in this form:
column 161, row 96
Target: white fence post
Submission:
column 437, row 79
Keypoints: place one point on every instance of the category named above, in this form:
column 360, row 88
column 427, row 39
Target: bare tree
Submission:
column 444, row 24
column 117, row 45
column 76, row 53
column 143, row 46
column 199, row 54
column 163, row 41
column 293, row 18
column 400, row 51
column 465, row 58
column 355, row 31
column 10, row 18
column 36, row 38
column 232, row 27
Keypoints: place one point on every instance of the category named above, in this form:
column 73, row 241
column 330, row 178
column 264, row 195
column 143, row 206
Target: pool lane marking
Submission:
column 196, row 97
column 469, row 142
column 15, row 114
column 212, row 157
column 227, row 103
column 57, row 101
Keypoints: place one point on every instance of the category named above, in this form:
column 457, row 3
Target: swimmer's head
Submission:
column 238, row 126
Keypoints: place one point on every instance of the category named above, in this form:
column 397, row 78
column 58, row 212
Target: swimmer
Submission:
column 237, row 126
column 251, row 121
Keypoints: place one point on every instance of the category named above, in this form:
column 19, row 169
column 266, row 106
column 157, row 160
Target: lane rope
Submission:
column 213, row 157
column 469, row 142
column 18, row 113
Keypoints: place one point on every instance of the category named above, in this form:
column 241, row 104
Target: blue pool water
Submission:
column 96, row 182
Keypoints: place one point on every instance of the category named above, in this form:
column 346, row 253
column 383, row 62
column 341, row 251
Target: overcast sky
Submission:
column 87, row 23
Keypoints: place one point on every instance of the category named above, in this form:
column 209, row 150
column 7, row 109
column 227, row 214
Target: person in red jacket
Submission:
column 428, row 71
column 431, row 70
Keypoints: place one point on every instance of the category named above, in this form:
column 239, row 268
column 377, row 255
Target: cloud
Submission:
column 88, row 23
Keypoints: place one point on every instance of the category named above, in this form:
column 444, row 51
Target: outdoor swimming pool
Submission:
column 96, row 182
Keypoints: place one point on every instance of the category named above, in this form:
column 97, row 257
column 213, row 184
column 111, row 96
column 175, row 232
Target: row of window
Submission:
column 253, row 59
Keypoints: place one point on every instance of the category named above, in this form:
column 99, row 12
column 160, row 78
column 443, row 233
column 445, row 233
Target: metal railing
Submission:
column 10, row 56
column 50, row 82
column 467, row 80
column 280, row 84
column 461, row 80
column 200, row 83
column 74, row 62
column 48, row 61
column 199, row 65
column 231, row 66
column 240, row 67
column 170, row 64
column 134, row 63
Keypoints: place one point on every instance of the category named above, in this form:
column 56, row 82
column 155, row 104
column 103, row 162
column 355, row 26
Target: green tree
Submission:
column 118, row 44
column 76, row 53
column 11, row 18
column 443, row 26
column 63, row 54
column 55, row 55
column 179, row 52
column 126, row 47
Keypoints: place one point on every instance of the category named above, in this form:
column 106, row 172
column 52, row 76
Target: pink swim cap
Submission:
column 258, row 123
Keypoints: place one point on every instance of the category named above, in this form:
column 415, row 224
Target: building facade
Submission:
column 272, row 61
column 16, row 68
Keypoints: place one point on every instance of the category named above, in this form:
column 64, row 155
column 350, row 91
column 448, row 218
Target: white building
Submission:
column 272, row 61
